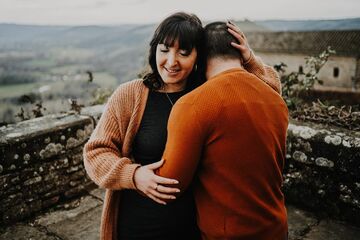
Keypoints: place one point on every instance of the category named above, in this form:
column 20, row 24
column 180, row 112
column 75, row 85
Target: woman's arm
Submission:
column 102, row 158
column 252, row 63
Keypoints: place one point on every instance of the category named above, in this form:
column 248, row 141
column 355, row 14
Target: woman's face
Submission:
column 174, row 65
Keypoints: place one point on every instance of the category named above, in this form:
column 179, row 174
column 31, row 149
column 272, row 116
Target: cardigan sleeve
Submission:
column 266, row 73
column 183, row 148
column 102, row 153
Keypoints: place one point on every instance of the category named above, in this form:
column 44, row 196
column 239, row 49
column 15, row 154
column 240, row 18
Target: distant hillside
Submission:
column 120, row 50
column 249, row 26
column 311, row 25
column 64, row 35
column 132, row 34
column 88, row 36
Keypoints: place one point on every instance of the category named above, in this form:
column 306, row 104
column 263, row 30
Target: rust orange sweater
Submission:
column 107, row 154
column 230, row 134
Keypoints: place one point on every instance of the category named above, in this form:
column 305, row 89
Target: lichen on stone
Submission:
column 12, row 167
column 14, row 135
column 71, row 142
column 89, row 129
column 50, row 150
column 345, row 198
column 80, row 134
column 299, row 156
column 27, row 157
column 356, row 142
column 346, row 143
column 324, row 162
column 303, row 131
column 333, row 139
column 321, row 192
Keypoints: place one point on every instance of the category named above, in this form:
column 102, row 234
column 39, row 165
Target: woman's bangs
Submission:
column 180, row 33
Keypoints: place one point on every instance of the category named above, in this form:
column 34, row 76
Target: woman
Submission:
column 128, row 142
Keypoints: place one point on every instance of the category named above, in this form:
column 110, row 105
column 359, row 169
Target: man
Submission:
column 230, row 134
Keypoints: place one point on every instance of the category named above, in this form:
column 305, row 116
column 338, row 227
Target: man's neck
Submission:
column 219, row 65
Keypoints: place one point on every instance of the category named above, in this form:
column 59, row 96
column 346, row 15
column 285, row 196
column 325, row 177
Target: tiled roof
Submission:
column 345, row 43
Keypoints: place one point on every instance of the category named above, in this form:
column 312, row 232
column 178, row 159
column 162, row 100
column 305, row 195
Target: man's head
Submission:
column 218, row 42
column 220, row 54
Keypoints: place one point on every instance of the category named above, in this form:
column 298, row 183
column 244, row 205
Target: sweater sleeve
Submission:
column 184, row 145
column 266, row 73
column 102, row 154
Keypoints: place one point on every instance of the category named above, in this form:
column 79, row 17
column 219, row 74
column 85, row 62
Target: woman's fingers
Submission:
column 164, row 189
column 235, row 28
column 156, row 199
column 242, row 44
column 240, row 47
column 155, row 165
column 163, row 180
column 160, row 196
column 237, row 36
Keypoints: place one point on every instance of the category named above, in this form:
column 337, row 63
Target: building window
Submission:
column 336, row 72
column 301, row 70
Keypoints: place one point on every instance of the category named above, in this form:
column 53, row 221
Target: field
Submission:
column 53, row 95
column 15, row 90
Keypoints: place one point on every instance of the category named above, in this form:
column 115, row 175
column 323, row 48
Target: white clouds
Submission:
column 144, row 11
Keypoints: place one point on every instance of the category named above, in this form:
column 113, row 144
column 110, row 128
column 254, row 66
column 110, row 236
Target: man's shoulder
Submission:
column 197, row 95
column 204, row 100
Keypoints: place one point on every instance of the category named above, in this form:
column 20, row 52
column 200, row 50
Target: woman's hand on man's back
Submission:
column 151, row 184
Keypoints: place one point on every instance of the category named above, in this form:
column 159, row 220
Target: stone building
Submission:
column 342, row 71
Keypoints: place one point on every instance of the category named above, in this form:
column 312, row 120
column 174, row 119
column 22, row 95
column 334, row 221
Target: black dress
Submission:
column 139, row 216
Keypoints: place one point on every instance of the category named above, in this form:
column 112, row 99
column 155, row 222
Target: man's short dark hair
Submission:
column 218, row 41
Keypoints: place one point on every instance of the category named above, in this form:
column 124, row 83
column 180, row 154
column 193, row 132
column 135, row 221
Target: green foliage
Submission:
column 16, row 78
column 101, row 95
column 36, row 108
column 295, row 82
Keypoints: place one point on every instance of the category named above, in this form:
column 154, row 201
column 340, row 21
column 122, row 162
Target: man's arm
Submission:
column 184, row 145
column 251, row 63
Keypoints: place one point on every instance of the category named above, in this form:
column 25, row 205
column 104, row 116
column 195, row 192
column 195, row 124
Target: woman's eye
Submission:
column 164, row 50
column 184, row 53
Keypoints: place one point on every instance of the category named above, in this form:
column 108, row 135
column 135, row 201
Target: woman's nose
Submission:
column 172, row 61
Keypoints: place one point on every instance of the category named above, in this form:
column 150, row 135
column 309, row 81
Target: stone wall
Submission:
column 41, row 166
column 322, row 172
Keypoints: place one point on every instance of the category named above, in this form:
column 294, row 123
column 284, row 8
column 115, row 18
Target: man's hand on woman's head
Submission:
column 151, row 184
column 242, row 44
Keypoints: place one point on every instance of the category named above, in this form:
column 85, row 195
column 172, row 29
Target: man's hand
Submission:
column 148, row 183
column 242, row 44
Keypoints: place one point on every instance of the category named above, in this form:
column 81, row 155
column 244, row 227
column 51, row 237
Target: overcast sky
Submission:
column 84, row 12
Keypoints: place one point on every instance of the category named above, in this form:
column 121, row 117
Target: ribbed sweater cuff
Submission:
column 128, row 178
column 255, row 66
column 250, row 58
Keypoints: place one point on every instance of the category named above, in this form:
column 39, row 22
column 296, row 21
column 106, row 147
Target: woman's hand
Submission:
column 149, row 183
column 242, row 44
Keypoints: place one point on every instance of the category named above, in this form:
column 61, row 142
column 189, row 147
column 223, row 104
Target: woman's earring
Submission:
column 195, row 67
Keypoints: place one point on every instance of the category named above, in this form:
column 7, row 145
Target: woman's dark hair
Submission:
column 188, row 30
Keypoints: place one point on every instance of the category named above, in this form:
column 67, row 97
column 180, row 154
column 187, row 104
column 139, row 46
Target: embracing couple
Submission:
column 196, row 148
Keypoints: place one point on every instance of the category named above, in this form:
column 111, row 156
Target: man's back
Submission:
column 238, row 131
